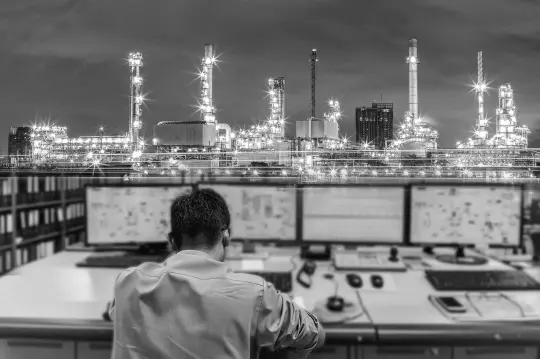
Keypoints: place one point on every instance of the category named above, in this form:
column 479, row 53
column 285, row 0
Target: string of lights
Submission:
column 327, row 158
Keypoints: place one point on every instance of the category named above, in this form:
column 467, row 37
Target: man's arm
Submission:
column 283, row 324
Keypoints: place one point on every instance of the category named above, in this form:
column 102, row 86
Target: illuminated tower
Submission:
column 313, row 60
column 136, row 99
column 413, row 132
column 334, row 115
column 413, row 62
column 509, row 134
column 480, row 87
column 206, row 104
column 276, row 92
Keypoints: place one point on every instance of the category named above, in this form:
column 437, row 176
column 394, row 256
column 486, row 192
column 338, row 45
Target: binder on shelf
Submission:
column 3, row 234
column 9, row 228
column 7, row 261
column 5, row 196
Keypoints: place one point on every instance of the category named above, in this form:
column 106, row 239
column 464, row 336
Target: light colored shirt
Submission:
column 192, row 306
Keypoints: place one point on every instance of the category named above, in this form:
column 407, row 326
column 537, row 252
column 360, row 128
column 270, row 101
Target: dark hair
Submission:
column 200, row 216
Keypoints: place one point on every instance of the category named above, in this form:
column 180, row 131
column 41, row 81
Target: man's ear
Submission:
column 170, row 238
column 226, row 241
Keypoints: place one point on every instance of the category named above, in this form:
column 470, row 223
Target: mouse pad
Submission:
column 350, row 312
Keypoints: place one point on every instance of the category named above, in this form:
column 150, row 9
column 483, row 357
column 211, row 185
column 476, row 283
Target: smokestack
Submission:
column 412, row 60
column 313, row 60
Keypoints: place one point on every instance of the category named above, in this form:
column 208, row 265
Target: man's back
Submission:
column 193, row 307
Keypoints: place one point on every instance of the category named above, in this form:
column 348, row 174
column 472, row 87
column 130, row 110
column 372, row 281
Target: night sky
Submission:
column 66, row 58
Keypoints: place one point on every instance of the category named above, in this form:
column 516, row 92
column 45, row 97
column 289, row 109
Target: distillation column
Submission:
column 413, row 62
column 207, row 106
column 136, row 99
column 481, row 88
column 276, row 91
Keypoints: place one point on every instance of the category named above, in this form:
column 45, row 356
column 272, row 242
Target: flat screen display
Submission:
column 120, row 215
column 489, row 215
column 259, row 212
column 373, row 214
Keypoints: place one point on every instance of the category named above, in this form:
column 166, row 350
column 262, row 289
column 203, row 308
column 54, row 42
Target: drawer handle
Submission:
column 495, row 350
column 26, row 344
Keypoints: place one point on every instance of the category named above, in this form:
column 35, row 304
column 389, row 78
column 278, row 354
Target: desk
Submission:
column 54, row 309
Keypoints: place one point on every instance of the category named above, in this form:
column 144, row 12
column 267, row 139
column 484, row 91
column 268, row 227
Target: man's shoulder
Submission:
column 146, row 269
column 248, row 279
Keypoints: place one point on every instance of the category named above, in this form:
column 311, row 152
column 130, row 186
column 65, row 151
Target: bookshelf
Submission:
column 40, row 215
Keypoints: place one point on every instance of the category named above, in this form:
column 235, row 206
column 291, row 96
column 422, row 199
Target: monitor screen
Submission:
column 482, row 215
column 373, row 214
column 259, row 212
column 123, row 214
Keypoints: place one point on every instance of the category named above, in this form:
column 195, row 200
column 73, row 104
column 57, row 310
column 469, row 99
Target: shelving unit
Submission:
column 40, row 215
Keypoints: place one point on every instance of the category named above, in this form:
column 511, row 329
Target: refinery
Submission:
column 316, row 153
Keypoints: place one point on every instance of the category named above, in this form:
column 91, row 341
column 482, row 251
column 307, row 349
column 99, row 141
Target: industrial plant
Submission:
column 315, row 153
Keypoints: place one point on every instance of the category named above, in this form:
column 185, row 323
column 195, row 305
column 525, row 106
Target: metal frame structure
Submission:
column 206, row 105
column 136, row 100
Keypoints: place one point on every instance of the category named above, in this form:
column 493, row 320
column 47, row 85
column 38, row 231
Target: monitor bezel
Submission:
column 519, row 186
column 277, row 241
column 114, row 185
column 305, row 241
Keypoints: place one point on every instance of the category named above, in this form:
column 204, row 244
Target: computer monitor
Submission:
column 127, row 214
column 259, row 212
column 353, row 214
column 466, row 215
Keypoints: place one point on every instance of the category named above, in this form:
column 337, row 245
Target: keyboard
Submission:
column 282, row 281
column 278, row 273
column 366, row 262
column 124, row 260
column 511, row 280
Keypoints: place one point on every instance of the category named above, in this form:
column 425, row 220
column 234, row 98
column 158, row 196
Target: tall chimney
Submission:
column 313, row 60
column 412, row 60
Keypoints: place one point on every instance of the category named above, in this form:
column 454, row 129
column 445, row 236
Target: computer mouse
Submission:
column 377, row 281
column 335, row 303
column 354, row 280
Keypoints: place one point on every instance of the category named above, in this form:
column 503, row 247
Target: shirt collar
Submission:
column 196, row 261
column 192, row 252
column 190, row 255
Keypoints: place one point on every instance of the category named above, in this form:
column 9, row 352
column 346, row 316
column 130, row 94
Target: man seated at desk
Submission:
column 193, row 306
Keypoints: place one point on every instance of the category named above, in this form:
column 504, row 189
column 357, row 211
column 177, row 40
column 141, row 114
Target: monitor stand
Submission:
column 460, row 258
column 149, row 249
column 316, row 252
column 248, row 247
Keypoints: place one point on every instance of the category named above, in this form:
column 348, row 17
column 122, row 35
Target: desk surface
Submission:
column 52, row 297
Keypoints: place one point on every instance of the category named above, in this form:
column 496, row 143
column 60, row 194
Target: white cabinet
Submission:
column 405, row 352
column 94, row 350
column 496, row 352
column 34, row 348
column 331, row 352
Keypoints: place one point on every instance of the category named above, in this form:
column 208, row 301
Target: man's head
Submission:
column 200, row 220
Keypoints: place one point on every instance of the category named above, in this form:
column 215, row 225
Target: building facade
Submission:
column 374, row 125
column 20, row 141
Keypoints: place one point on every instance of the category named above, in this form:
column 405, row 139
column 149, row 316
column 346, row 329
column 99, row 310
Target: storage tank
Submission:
column 178, row 133
column 319, row 129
